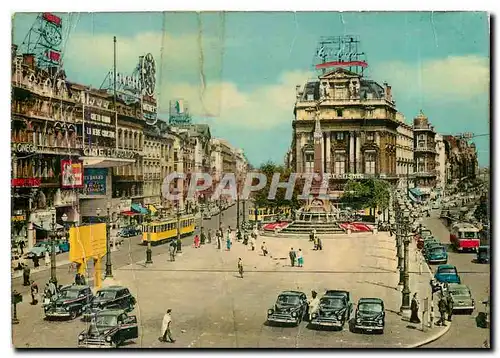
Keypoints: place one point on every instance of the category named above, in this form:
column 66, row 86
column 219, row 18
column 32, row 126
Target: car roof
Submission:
column 457, row 285
column 112, row 288
column 336, row 293
column 370, row 300
column 292, row 293
column 446, row 266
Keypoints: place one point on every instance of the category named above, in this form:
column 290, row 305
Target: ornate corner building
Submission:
column 358, row 130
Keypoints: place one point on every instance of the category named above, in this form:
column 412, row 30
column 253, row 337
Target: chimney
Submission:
column 388, row 92
column 29, row 60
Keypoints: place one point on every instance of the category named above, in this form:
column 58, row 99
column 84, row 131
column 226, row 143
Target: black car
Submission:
column 370, row 315
column 71, row 301
column 112, row 297
column 290, row 307
column 109, row 329
column 334, row 310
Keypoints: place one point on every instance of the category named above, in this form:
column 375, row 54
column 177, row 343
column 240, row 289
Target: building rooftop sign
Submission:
column 340, row 51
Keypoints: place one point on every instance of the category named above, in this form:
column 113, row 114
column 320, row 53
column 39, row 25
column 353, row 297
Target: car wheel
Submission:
column 73, row 314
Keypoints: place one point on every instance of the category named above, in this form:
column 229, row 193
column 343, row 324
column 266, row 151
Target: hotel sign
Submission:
column 109, row 153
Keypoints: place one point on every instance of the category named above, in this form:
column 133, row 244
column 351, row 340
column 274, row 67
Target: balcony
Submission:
column 427, row 149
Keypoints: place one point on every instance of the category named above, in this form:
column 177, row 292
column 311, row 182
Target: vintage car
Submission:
column 112, row 297
column 447, row 274
column 109, row 329
column 483, row 254
column 436, row 255
column 129, row 232
column 370, row 315
column 461, row 297
column 290, row 307
column 71, row 302
column 430, row 243
column 40, row 248
column 334, row 309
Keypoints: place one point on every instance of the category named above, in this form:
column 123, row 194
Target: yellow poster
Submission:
column 87, row 242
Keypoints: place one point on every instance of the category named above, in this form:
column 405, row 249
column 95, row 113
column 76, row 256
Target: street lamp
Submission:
column 109, row 271
column 179, row 247
column 149, row 253
column 53, row 251
column 405, row 302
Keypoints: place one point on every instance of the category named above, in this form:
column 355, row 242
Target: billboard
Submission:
column 94, row 181
column 71, row 174
column 86, row 242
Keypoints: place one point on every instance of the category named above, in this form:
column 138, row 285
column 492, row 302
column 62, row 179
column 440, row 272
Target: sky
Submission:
column 238, row 70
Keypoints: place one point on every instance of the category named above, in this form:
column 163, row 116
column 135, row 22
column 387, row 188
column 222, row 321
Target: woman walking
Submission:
column 300, row 258
column 228, row 242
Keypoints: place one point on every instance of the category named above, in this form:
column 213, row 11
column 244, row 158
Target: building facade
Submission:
column 462, row 158
column 425, row 154
column 358, row 125
column 441, row 163
column 404, row 154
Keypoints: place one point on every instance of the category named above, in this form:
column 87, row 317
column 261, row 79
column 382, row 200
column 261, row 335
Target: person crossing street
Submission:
column 166, row 328
column 240, row 267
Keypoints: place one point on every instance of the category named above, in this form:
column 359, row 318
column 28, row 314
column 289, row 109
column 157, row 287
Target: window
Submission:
column 340, row 159
column 340, row 135
column 370, row 159
column 370, row 136
column 309, row 162
column 339, row 113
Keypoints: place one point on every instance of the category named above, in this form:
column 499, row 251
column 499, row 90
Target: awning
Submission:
column 129, row 213
column 416, row 191
column 139, row 209
column 152, row 209
column 47, row 226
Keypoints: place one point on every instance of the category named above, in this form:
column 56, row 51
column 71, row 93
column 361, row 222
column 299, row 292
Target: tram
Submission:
column 165, row 230
column 268, row 215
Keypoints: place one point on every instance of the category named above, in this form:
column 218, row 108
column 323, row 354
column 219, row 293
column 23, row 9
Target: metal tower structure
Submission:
column 340, row 51
column 44, row 40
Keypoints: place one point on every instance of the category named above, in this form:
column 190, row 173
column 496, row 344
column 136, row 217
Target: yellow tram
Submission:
column 265, row 215
column 163, row 230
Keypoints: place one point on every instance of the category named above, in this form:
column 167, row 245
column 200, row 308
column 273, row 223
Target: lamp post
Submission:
column 53, row 276
column 244, row 212
column 149, row 253
column 179, row 247
column 109, row 270
column 237, row 206
column 220, row 213
column 400, row 243
column 405, row 301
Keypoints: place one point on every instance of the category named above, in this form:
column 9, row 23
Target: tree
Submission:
column 356, row 194
column 381, row 193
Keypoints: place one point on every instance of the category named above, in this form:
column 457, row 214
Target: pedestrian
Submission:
column 449, row 307
column 166, row 328
column 311, row 236
column 34, row 293
column 218, row 237
column 36, row 262
column 414, row 309
column 47, row 258
column 178, row 246
column 264, row 248
column 300, row 258
column 252, row 242
column 202, row 238
column 315, row 239
column 292, row 254
column 442, row 306
column 172, row 248
column 313, row 304
column 228, row 243
column 26, row 275
column 21, row 246
column 209, row 236
column 240, row 267
column 52, row 288
column 320, row 244
column 196, row 243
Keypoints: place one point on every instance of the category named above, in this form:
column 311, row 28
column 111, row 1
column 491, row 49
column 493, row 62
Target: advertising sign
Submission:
column 87, row 242
column 94, row 181
column 72, row 174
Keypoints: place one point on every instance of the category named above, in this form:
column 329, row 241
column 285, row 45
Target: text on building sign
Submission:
column 109, row 152
column 100, row 132
column 23, row 147
column 99, row 118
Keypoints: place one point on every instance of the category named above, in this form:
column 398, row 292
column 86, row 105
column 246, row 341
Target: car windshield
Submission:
column 106, row 294
column 69, row 294
column 370, row 307
column 288, row 300
column 468, row 234
column 333, row 302
column 447, row 271
column 459, row 292
column 106, row 320
column 437, row 249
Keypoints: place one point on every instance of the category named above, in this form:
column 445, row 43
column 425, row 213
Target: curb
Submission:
column 431, row 339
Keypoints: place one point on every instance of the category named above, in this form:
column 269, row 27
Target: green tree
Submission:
column 357, row 194
column 381, row 193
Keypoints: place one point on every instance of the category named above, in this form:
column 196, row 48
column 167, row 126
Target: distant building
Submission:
column 441, row 160
column 425, row 155
column 404, row 153
column 462, row 158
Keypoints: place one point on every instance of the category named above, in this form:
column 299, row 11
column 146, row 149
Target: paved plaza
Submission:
column 213, row 307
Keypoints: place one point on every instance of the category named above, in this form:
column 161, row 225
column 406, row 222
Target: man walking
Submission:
column 264, row 248
column 172, row 248
column 166, row 328
column 34, row 293
column 449, row 307
column 442, row 306
column 240, row 267
column 292, row 256
column 26, row 275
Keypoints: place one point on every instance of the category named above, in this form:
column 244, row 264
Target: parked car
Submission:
column 290, row 307
column 40, row 248
column 112, row 297
column 447, row 274
column 436, row 255
column 461, row 297
column 71, row 302
column 334, row 310
column 109, row 329
column 483, row 254
column 370, row 315
column 63, row 246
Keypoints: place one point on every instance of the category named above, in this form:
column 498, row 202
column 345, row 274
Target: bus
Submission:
column 165, row 230
column 464, row 237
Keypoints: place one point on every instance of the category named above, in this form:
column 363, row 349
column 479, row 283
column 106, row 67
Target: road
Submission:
column 464, row 332
column 131, row 251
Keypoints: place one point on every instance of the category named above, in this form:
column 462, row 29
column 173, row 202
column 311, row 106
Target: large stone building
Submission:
column 404, row 153
column 441, row 162
column 425, row 155
column 462, row 158
column 358, row 129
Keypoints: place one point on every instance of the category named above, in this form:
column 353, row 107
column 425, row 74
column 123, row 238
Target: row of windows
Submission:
column 170, row 226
